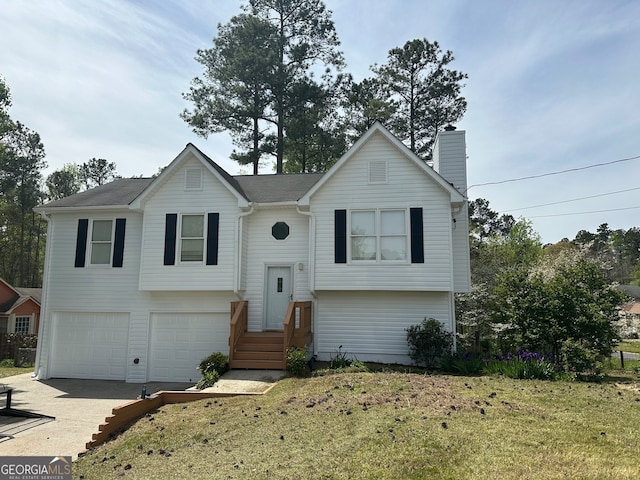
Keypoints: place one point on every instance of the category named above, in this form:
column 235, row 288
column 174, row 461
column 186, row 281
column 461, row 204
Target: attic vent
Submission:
column 378, row 171
column 193, row 179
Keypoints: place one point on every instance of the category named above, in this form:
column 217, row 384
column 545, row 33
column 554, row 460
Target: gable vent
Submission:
column 378, row 171
column 193, row 179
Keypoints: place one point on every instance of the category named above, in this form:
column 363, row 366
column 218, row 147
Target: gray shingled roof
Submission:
column 277, row 188
column 255, row 188
column 122, row 191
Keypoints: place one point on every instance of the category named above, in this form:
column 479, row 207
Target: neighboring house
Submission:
column 143, row 275
column 19, row 309
column 629, row 321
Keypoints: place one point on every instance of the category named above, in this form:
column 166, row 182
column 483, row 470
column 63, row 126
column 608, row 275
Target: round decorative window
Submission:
column 280, row 230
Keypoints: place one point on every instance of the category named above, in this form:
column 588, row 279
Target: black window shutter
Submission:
column 170, row 227
column 81, row 241
column 213, row 220
column 417, row 236
column 340, row 236
column 118, row 244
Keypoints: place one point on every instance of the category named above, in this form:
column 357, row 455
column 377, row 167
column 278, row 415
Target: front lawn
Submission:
column 629, row 346
column 8, row 370
column 387, row 425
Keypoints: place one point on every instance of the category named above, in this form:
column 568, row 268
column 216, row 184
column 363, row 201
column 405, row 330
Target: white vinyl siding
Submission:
column 450, row 159
column 372, row 325
column 172, row 198
column 349, row 189
column 264, row 250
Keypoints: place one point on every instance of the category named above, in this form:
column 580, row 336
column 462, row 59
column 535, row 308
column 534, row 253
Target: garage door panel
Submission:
column 179, row 341
column 90, row 345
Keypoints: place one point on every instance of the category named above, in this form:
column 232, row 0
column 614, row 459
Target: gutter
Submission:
column 312, row 269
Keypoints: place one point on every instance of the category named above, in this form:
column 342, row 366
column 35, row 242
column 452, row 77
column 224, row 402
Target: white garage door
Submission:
column 90, row 345
column 179, row 341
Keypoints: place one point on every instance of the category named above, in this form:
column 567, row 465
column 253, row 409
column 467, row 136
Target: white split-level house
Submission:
column 144, row 277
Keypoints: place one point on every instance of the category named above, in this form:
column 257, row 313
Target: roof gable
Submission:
column 191, row 151
column 12, row 297
column 376, row 129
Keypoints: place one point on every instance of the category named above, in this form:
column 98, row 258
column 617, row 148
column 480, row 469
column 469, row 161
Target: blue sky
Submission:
column 553, row 85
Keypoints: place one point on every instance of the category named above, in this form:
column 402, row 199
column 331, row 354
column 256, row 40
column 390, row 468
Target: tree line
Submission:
column 557, row 298
column 22, row 187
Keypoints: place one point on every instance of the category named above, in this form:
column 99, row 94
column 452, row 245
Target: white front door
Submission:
column 277, row 296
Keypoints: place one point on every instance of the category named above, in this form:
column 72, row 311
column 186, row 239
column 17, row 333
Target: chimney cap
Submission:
column 449, row 128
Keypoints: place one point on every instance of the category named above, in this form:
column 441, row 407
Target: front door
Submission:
column 278, row 295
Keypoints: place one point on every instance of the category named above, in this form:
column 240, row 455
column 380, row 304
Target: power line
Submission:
column 584, row 213
column 554, row 173
column 571, row 200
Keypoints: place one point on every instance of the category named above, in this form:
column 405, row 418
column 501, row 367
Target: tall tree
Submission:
column 427, row 92
column 64, row 182
column 306, row 38
column 235, row 93
column 97, row 171
column 21, row 164
column 364, row 104
column 315, row 139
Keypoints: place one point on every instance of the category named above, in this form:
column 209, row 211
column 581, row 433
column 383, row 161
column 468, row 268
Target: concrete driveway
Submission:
column 78, row 406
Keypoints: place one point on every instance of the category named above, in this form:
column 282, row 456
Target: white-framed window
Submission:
column 22, row 324
column 192, row 230
column 101, row 242
column 378, row 235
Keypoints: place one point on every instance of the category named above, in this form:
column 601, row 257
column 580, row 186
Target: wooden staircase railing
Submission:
column 297, row 326
column 268, row 350
column 239, row 323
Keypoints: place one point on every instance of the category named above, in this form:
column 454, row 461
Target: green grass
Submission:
column 8, row 370
column 629, row 346
column 387, row 426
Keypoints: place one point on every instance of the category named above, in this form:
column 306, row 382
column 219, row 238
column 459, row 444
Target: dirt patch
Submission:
column 428, row 394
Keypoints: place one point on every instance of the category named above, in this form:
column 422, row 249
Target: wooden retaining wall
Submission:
column 125, row 414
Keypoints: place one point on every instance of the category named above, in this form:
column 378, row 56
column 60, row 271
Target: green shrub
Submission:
column 216, row 361
column 429, row 342
column 523, row 366
column 208, row 379
column 579, row 358
column 297, row 362
column 339, row 360
column 7, row 363
column 467, row 364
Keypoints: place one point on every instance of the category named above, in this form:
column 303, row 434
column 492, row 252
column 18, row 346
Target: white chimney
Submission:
column 450, row 157
column 450, row 161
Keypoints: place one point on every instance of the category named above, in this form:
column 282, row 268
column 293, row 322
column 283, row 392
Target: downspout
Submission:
column 312, row 249
column 238, row 279
column 44, row 320
column 312, row 270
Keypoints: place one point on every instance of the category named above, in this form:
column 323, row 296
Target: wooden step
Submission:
column 263, row 337
column 258, row 355
column 258, row 347
column 258, row 364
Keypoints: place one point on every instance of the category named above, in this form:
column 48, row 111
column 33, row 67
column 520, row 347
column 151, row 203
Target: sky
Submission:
column 553, row 85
